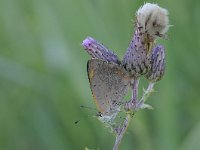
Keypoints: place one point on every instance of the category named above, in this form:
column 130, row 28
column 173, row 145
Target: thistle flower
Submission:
column 142, row 57
column 157, row 64
column 136, row 59
column 151, row 22
column 98, row 50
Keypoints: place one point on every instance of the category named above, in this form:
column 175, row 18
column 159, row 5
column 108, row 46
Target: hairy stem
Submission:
column 135, row 91
column 132, row 102
column 121, row 131
column 130, row 105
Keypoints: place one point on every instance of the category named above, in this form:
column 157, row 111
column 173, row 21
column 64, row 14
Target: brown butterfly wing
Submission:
column 109, row 84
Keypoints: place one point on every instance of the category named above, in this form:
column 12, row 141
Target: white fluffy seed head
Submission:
column 152, row 20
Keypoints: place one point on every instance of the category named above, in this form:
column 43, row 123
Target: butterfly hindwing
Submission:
column 109, row 83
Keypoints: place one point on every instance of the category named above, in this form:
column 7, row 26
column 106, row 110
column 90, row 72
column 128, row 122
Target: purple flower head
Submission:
column 151, row 22
column 98, row 50
column 157, row 64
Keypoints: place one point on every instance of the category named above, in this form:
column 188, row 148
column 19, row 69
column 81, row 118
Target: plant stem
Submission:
column 131, row 105
column 121, row 131
column 132, row 102
column 141, row 104
column 135, row 91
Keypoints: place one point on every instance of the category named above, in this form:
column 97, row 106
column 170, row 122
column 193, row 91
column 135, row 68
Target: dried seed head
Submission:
column 152, row 20
column 157, row 64
column 98, row 50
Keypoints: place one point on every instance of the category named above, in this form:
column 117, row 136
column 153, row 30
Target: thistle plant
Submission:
column 143, row 58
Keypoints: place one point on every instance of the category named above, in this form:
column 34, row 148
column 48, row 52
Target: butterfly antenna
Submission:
column 89, row 115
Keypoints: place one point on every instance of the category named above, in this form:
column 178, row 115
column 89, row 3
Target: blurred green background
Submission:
column 43, row 78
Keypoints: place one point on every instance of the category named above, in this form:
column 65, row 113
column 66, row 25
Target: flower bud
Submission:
column 157, row 64
column 98, row 50
column 136, row 60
